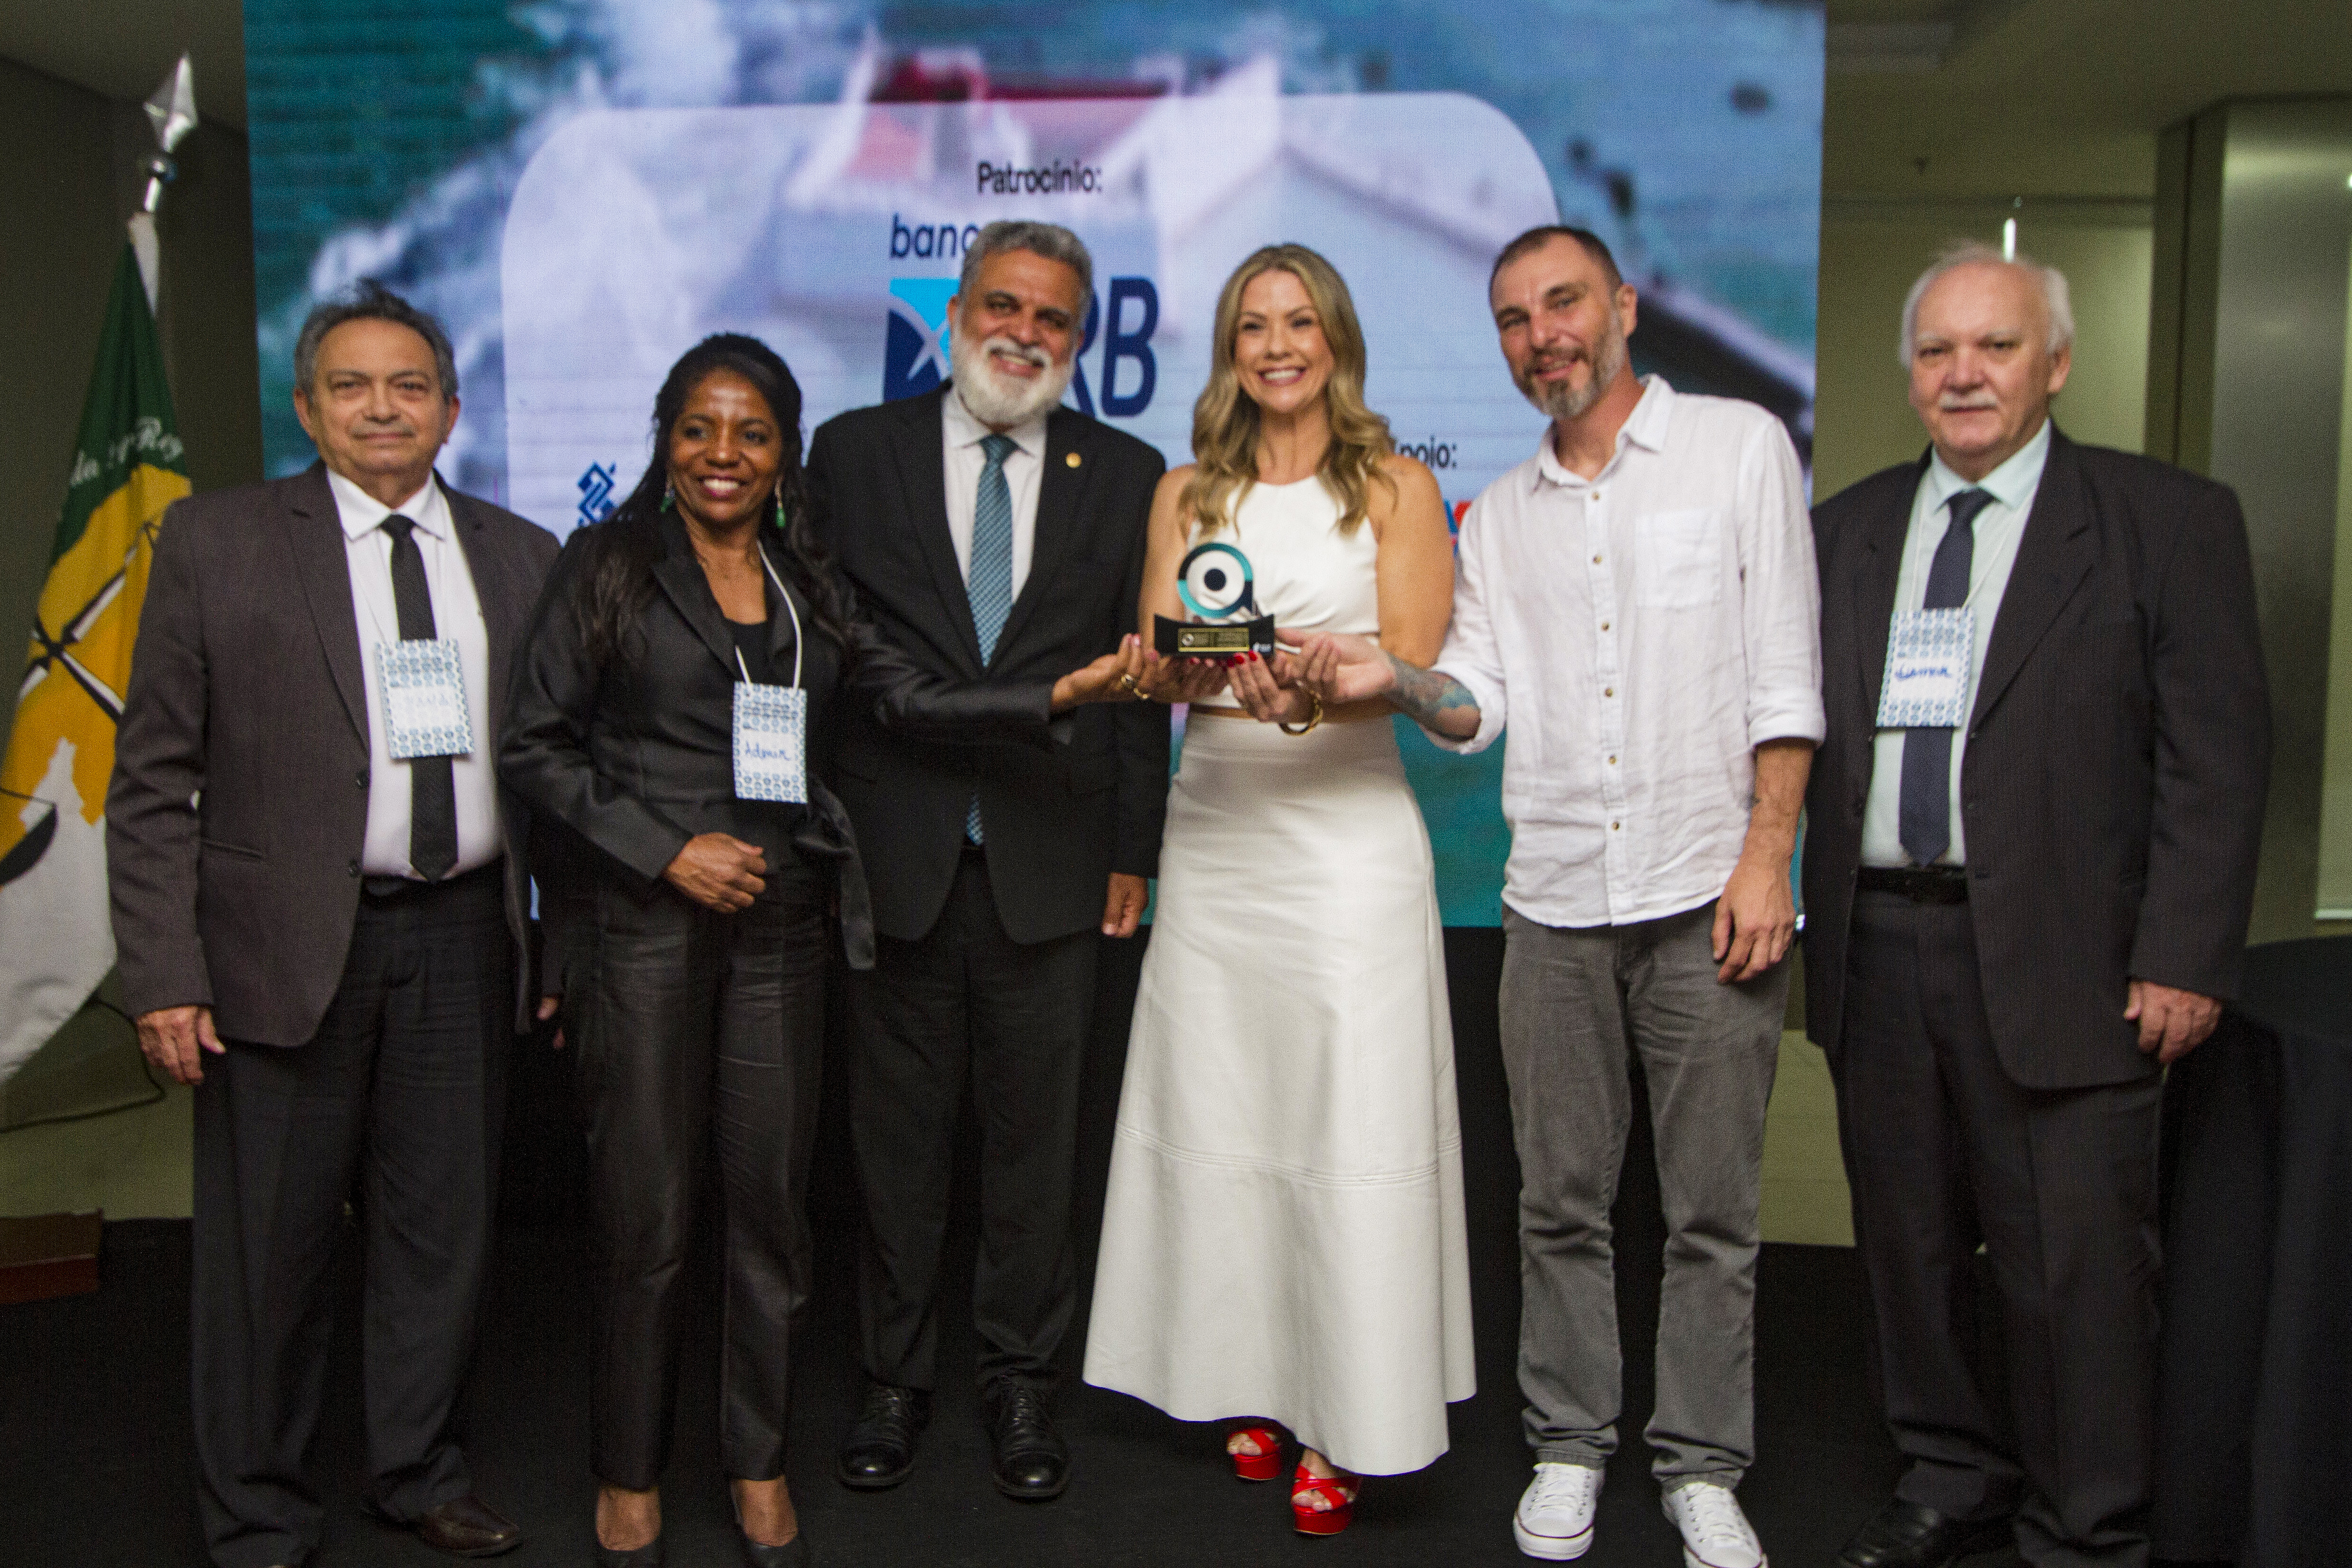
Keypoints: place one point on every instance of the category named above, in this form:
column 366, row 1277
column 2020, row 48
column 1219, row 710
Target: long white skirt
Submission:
column 1283, row 1236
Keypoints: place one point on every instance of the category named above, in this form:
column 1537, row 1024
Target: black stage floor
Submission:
column 96, row 1450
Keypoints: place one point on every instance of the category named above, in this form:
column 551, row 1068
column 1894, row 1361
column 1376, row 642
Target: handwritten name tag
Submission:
column 424, row 712
column 1927, row 658
column 771, row 743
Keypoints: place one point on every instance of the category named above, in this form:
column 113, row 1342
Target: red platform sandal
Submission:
column 1266, row 1465
column 1338, row 1491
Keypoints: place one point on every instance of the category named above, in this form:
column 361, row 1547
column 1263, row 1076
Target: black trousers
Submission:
column 1945, row 1152
column 404, row 1088
column 967, row 1002
column 701, row 1033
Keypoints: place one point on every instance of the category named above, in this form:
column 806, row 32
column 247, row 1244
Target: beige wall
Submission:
column 1869, row 255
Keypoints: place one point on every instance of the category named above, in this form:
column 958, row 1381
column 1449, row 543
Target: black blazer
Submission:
column 247, row 695
column 1058, row 823
column 2118, row 754
column 637, row 756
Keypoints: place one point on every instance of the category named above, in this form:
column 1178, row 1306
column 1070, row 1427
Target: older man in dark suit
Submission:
column 2028, row 875
column 320, row 899
column 991, row 534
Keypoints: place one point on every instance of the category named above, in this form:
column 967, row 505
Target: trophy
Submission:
column 1220, row 596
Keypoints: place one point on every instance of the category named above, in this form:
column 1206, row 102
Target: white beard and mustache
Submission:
column 1565, row 402
column 1000, row 401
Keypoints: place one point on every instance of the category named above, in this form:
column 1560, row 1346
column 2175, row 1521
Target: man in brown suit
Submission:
column 2028, row 865
column 320, row 901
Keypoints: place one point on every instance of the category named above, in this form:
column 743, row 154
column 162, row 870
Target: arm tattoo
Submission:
column 1433, row 700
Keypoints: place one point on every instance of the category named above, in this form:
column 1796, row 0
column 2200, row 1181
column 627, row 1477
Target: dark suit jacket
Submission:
column 246, row 697
column 1058, row 823
column 636, row 755
column 2117, row 757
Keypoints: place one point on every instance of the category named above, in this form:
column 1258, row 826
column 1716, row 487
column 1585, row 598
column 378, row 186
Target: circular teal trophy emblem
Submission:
column 1219, row 587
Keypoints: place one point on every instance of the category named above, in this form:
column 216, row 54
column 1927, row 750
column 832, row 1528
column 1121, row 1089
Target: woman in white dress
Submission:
column 1282, row 1237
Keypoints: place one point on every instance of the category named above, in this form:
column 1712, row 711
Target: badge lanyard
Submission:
column 772, row 723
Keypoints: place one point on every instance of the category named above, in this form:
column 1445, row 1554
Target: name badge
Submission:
column 771, row 743
column 1927, row 658
column 423, row 685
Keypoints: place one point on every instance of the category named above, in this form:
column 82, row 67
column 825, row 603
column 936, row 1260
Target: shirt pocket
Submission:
column 1678, row 559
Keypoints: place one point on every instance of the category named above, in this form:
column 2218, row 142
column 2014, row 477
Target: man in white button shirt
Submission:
column 320, row 904
column 1637, row 600
column 2025, row 895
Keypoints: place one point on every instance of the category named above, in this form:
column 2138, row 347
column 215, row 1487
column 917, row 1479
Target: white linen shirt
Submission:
column 2000, row 529
column 965, row 461
column 1640, row 633
column 457, row 615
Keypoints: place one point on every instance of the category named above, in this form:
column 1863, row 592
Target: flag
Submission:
column 55, row 941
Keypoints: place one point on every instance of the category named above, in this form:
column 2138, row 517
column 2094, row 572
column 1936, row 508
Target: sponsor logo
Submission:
column 596, row 494
column 915, row 358
column 1436, row 453
column 918, row 355
column 1047, row 180
column 930, row 240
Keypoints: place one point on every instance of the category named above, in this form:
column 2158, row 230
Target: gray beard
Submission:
column 991, row 401
column 1565, row 403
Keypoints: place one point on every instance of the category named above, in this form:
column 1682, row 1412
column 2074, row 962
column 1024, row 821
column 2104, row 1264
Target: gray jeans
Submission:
column 1577, row 1006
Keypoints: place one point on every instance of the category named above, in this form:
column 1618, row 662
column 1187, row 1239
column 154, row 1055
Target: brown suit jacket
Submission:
column 239, row 809
column 2118, row 755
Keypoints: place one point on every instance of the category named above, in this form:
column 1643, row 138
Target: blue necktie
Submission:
column 988, row 584
column 1924, row 820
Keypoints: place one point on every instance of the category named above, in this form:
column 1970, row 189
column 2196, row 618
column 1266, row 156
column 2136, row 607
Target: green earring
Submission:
column 668, row 496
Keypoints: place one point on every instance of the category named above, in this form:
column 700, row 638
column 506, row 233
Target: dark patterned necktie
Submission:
column 432, row 787
column 990, row 584
column 1925, row 818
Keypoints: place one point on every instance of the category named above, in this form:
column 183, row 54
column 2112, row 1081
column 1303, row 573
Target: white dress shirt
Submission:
column 456, row 615
column 2000, row 529
column 1023, row 468
column 1641, row 632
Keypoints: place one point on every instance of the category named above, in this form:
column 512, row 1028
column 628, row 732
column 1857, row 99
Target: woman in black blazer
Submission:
column 692, row 941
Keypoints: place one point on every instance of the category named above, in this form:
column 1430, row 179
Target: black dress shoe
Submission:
column 1907, row 1535
column 792, row 1553
column 649, row 1555
column 1033, row 1463
column 880, row 1447
column 467, row 1527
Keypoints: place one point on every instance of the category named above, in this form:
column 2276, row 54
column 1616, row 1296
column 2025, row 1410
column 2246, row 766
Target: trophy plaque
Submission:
column 1216, row 584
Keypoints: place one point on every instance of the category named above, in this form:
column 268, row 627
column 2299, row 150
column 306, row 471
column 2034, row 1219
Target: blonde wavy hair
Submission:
column 1225, row 420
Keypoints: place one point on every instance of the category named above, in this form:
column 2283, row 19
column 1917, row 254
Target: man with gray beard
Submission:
column 1638, row 600
column 991, row 534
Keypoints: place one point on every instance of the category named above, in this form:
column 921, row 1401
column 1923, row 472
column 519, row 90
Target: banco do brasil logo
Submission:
column 1115, row 358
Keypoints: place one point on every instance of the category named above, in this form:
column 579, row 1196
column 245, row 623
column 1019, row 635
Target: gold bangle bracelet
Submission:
column 1314, row 716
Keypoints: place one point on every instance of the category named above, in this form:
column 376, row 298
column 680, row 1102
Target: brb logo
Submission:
column 918, row 355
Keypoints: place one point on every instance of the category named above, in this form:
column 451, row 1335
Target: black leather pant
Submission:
column 698, row 1027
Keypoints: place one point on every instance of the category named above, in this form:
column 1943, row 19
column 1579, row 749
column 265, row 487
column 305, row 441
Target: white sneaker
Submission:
column 1715, row 1534
column 1555, row 1517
